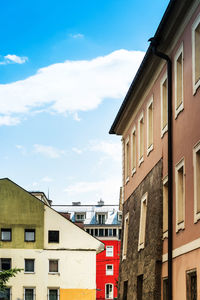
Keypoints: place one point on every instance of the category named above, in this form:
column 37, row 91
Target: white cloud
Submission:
column 9, row 121
column 47, row 179
column 111, row 149
column 77, row 36
column 12, row 58
column 77, row 150
column 72, row 86
column 48, row 151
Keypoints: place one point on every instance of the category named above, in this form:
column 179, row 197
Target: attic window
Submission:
column 80, row 217
column 101, row 218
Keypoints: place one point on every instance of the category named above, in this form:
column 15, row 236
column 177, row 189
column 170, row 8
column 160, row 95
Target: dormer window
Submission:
column 101, row 218
column 119, row 216
column 80, row 217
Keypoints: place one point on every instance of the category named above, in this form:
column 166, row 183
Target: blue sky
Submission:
column 65, row 68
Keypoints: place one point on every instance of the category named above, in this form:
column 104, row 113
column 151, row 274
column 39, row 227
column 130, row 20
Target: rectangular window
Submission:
column 80, row 217
column 127, row 164
column 109, row 291
column 142, row 230
column 29, row 266
column 119, row 216
column 178, row 65
column 196, row 54
column 53, row 266
column 191, row 282
column 165, row 207
column 109, row 251
column 196, row 165
column 101, row 218
column 110, row 232
column 180, row 196
column 164, row 105
column 125, row 241
column 125, row 291
column 139, row 287
column 119, row 234
column 109, row 269
column 96, row 232
column 53, row 294
column 165, row 289
column 101, row 232
column 141, row 139
column 133, row 152
column 6, row 294
column 150, row 126
column 53, row 236
column 6, row 234
column 5, row 264
column 29, row 294
column 29, row 235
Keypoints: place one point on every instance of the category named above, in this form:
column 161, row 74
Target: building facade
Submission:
column 104, row 223
column 57, row 257
column 143, row 123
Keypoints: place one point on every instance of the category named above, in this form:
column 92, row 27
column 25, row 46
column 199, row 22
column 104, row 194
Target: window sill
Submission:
column 127, row 179
column 149, row 149
column 29, row 272
column 140, row 247
column 54, row 273
column 195, row 87
column 196, row 217
column 165, row 235
column 164, row 130
column 141, row 160
column 180, row 226
column 179, row 110
column 133, row 171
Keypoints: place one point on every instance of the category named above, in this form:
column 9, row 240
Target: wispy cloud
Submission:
column 111, row 149
column 77, row 150
column 48, row 151
column 12, row 58
column 9, row 121
column 47, row 179
column 77, row 36
column 22, row 149
column 71, row 86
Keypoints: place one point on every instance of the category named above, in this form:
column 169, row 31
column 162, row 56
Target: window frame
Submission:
column 53, row 288
column 196, row 213
column 165, row 128
column 80, row 214
column 10, row 291
column 1, row 263
column 133, row 151
column 181, row 164
column 53, row 242
column 179, row 108
column 143, row 219
column 149, row 146
column 29, row 272
column 30, row 288
column 112, row 295
column 165, row 205
column 125, row 236
column 140, row 157
column 7, row 230
column 194, row 27
column 188, row 282
column 107, row 251
column 127, row 160
column 26, row 230
column 57, row 260
column 109, row 272
column 101, row 214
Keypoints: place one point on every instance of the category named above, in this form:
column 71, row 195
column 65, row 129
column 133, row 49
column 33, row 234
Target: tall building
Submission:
column 160, row 128
column 103, row 222
column 57, row 257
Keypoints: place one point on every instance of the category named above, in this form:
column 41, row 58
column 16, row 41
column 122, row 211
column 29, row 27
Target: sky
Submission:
column 65, row 68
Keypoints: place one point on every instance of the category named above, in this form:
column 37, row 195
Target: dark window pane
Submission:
column 110, row 232
column 53, row 294
column 53, row 266
column 6, row 234
column 5, row 295
column 92, row 232
column 120, row 232
column 101, row 232
column 29, row 265
column 29, row 294
column 53, row 236
column 114, row 232
column 30, row 235
column 5, row 263
column 96, row 232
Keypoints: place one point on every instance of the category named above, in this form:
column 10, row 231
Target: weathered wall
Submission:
column 148, row 260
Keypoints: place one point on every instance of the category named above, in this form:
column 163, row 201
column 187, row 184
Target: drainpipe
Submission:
column 153, row 46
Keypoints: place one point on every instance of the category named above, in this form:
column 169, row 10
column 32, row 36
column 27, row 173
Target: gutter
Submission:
column 153, row 47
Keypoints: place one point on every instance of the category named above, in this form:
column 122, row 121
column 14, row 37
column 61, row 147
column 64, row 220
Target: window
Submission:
column 29, row 294
column 6, row 234
column 127, row 165
column 53, row 266
column 150, row 126
column 119, row 216
column 165, row 207
column 29, row 266
column 196, row 164
column 80, row 217
column 109, row 250
column 133, row 152
column 53, row 294
column 53, row 236
column 191, row 282
column 109, row 269
column 109, row 291
column 6, row 294
column 139, row 287
column 119, row 234
column 196, row 54
column 101, row 232
column 178, row 70
column 125, row 291
column 5, row 264
column 141, row 139
column 125, row 241
column 29, row 235
column 101, row 218
column 180, row 195
column 143, row 214
column 165, row 289
column 164, row 105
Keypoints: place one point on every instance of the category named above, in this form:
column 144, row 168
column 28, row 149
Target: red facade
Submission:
column 103, row 268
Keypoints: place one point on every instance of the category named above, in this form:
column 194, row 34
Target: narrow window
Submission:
column 127, row 160
column 165, row 289
column 101, row 232
column 109, row 251
column 29, row 294
column 150, row 126
column 110, row 232
column 191, row 283
column 125, row 240
column 164, row 106
column 106, row 232
column 196, row 53
column 53, row 294
column 29, row 265
column 119, row 234
column 53, row 236
column 178, row 64
column 29, row 235
column 141, row 139
column 5, row 264
column 5, row 294
column 109, row 269
column 6, row 234
column 180, row 196
column 96, row 232
column 125, row 291
column 196, row 164
column 109, row 291
column 139, row 287
column 53, row 266
column 165, row 207
column 133, row 152
column 143, row 213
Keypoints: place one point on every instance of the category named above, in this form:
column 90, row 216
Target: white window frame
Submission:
column 80, row 214
column 127, row 160
column 196, row 213
column 101, row 214
column 109, row 272
column 194, row 26
column 140, row 158
column 143, row 218
column 133, row 149
column 112, row 295
column 30, row 288
column 119, row 216
column 29, row 272
column 165, row 182
column 109, row 253
column 50, row 259
column 53, row 288
column 180, row 165
column 125, row 236
column 163, row 129
column 149, row 147
column 179, row 108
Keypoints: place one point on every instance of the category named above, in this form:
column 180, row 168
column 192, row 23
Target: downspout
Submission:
column 170, row 161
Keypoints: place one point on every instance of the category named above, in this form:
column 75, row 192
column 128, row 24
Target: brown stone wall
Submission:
column 146, row 262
